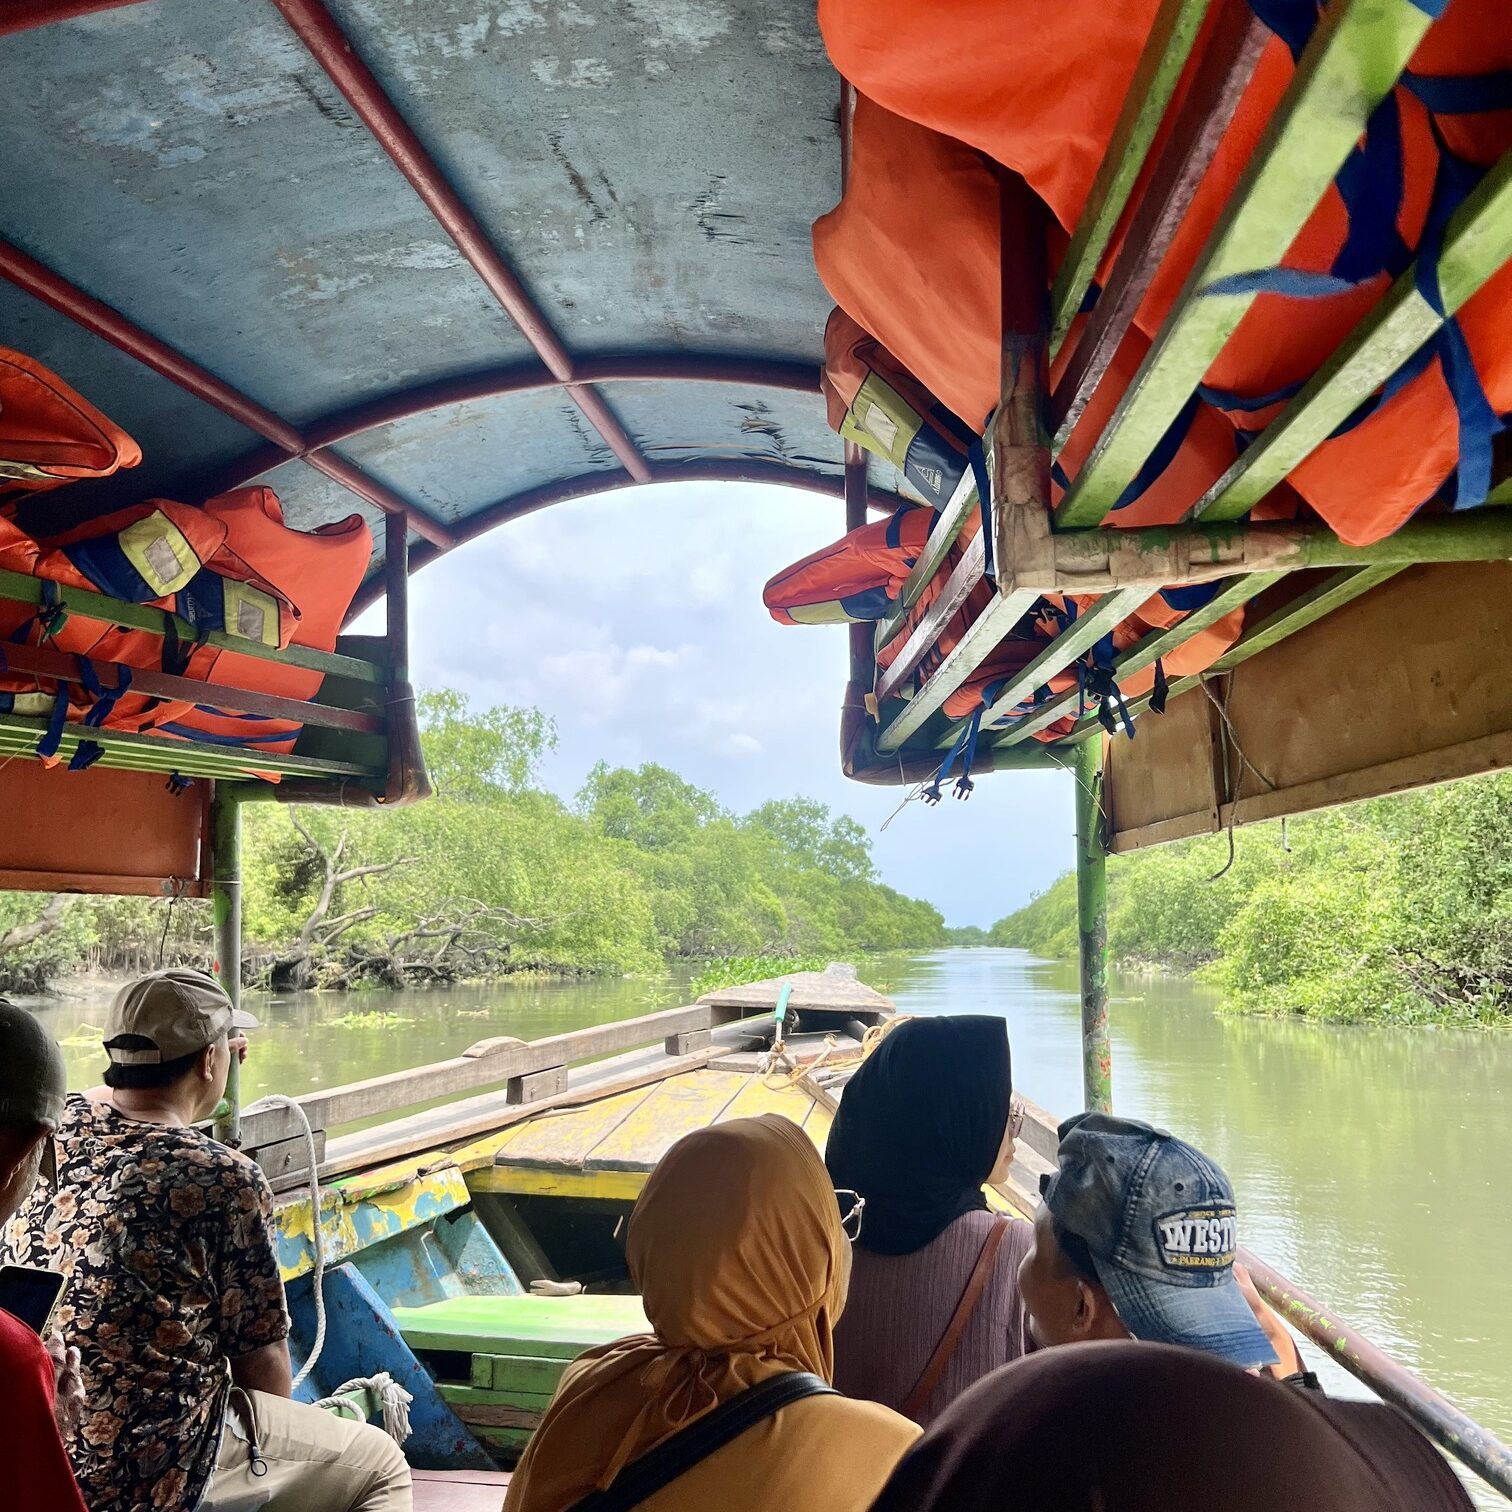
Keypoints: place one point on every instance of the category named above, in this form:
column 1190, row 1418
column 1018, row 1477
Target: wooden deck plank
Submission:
column 756, row 1098
column 676, row 1107
column 567, row 1139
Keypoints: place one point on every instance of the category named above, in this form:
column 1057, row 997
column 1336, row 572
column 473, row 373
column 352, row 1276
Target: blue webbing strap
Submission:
column 85, row 755
column 203, row 737
column 177, row 783
column 105, row 699
column 1163, row 455
column 1462, row 94
column 1478, row 421
column 977, row 457
column 52, row 736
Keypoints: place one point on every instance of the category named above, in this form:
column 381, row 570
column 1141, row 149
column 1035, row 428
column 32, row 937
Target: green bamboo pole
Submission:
column 1092, row 928
column 226, row 897
column 23, row 589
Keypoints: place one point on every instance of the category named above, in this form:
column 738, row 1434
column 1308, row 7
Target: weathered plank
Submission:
column 454, row 1125
column 22, row 588
column 501, row 1061
column 964, row 577
column 942, row 536
column 1000, row 616
column 1228, row 62
column 515, row 1373
column 1087, row 629
column 1145, row 652
column 566, row 1139
column 557, row 1328
column 1172, row 35
column 675, row 1108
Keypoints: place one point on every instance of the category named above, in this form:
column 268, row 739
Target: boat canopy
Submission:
column 452, row 260
column 445, row 264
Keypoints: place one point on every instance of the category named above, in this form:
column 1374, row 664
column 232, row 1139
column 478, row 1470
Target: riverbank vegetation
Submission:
column 497, row 875
column 1397, row 910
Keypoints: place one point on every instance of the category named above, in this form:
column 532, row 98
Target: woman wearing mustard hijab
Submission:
column 737, row 1250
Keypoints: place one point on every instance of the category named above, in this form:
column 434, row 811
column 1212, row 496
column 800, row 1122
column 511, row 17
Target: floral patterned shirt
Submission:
column 163, row 1235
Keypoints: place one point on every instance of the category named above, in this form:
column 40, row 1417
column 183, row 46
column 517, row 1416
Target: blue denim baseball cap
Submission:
column 1158, row 1219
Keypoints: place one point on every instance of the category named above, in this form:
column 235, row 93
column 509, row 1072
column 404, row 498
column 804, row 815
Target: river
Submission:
column 1372, row 1165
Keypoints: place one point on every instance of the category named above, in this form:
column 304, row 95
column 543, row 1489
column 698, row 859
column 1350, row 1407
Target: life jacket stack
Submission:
column 49, row 435
column 859, row 578
column 912, row 250
column 232, row 566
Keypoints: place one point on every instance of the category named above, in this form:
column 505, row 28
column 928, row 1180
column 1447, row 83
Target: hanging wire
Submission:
column 1245, row 767
column 180, row 887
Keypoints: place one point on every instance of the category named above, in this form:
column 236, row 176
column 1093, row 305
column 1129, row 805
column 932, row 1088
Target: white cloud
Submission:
column 635, row 620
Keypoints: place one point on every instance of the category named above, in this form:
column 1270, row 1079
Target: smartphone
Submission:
column 31, row 1295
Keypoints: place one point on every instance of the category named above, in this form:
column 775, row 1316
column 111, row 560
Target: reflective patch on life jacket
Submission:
column 881, row 420
column 251, row 613
column 159, row 551
column 148, row 559
column 31, row 705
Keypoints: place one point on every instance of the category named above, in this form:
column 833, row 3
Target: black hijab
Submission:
column 920, row 1126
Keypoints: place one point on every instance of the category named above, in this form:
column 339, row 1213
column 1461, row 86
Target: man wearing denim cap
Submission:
column 1135, row 1238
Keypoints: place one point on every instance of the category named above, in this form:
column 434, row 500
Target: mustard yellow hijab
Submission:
column 736, row 1248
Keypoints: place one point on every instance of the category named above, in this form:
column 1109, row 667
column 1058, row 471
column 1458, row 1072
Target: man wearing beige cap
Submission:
column 174, row 1293
column 38, row 1475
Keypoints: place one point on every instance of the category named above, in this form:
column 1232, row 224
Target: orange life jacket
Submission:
column 912, row 254
column 315, row 573
column 232, row 566
column 873, row 400
column 144, row 554
column 854, row 579
column 49, row 435
column 1052, row 123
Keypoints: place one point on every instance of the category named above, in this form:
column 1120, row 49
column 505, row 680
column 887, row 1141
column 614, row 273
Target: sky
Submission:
column 634, row 619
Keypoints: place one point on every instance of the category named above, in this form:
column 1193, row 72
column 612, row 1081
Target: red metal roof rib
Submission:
column 332, row 50
column 22, row 15
column 110, row 325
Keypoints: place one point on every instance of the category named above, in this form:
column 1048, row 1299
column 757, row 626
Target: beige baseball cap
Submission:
column 177, row 1009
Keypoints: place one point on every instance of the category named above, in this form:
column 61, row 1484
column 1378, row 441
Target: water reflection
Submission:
column 1372, row 1164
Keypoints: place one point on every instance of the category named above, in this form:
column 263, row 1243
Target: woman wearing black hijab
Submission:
column 934, row 1301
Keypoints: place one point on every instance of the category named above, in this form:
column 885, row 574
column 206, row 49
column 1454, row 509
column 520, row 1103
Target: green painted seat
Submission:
column 557, row 1328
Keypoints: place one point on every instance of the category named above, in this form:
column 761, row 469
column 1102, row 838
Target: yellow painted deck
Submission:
column 607, row 1149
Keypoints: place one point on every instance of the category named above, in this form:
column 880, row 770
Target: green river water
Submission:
column 1372, row 1165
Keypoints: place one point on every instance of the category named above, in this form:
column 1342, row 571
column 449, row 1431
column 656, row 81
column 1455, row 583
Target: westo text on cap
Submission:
column 1159, row 1220
column 177, row 1010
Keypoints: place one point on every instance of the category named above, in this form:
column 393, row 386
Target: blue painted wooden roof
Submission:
column 648, row 168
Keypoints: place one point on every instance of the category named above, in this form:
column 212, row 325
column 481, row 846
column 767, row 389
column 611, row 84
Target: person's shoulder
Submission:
column 866, row 1425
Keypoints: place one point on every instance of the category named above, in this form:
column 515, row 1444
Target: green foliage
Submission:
column 966, row 936
column 736, row 971
column 1395, row 910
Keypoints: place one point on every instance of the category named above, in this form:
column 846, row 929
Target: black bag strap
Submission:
column 658, row 1467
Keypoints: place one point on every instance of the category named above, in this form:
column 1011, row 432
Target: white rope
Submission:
column 393, row 1399
column 317, row 1282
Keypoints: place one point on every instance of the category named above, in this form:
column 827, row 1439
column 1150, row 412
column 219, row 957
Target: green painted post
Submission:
column 1092, row 928
column 226, row 884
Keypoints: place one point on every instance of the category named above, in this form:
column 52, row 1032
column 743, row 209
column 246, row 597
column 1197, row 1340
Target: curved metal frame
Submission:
column 586, row 485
